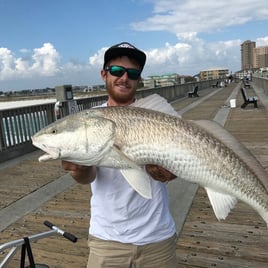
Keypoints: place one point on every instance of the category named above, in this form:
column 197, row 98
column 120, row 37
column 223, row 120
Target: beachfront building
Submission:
column 214, row 73
column 253, row 57
column 247, row 55
column 167, row 80
column 162, row 80
column 261, row 57
column 242, row 74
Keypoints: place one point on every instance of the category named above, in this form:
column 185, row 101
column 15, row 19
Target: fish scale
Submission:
column 207, row 155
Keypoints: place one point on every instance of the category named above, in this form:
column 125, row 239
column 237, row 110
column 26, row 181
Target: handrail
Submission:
column 17, row 125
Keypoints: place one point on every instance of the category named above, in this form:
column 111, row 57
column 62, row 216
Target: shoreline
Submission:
column 22, row 101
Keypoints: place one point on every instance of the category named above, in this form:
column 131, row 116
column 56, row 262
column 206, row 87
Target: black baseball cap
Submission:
column 125, row 49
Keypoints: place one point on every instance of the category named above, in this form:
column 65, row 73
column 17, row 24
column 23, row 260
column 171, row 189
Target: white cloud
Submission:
column 44, row 61
column 97, row 58
column 181, row 17
column 187, row 20
column 192, row 54
column 40, row 67
column 6, row 63
column 262, row 41
column 189, row 54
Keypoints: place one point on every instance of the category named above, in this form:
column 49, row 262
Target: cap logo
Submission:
column 125, row 45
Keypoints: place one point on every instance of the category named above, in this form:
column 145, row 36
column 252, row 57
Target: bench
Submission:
column 248, row 100
column 216, row 84
column 193, row 93
column 246, row 84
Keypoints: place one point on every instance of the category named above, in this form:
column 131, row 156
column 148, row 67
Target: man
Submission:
column 126, row 229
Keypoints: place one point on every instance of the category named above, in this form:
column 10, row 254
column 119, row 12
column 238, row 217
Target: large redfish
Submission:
column 129, row 137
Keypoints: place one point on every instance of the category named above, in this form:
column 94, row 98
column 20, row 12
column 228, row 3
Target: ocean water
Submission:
column 18, row 129
column 23, row 103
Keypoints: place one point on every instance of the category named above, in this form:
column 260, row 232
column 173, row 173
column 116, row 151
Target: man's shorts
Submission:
column 105, row 254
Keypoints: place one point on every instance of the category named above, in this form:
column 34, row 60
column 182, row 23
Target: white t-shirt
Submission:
column 119, row 213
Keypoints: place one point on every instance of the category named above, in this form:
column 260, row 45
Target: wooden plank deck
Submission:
column 240, row 241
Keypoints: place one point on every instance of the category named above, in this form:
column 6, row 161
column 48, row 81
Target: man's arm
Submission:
column 159, row 173
column 86, row 175
column 82, row 174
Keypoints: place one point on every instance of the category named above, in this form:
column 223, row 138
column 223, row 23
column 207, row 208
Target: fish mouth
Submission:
column 46, row 157
column 51, row 153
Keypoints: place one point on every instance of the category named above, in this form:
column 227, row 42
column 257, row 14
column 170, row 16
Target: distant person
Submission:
column 126, row 230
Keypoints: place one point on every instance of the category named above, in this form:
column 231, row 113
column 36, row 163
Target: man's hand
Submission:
column 82, row 174
column 159, row 173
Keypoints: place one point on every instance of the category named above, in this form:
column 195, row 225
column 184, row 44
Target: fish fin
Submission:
column 157, row 103
column 237, row 147
column 115, row 158
column 139, row 180
column 221, row 203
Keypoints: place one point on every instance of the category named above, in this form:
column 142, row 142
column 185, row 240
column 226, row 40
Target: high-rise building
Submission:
column 247, row 55
column 261, row 57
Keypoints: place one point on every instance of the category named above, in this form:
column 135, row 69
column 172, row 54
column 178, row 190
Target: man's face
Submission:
column 121, row 90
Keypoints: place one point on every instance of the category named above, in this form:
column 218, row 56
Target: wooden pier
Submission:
column 240, row 241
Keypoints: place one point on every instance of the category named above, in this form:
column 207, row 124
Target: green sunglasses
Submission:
column 118, row 71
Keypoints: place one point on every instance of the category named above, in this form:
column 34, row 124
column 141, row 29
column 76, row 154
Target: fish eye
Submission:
column 54, row 131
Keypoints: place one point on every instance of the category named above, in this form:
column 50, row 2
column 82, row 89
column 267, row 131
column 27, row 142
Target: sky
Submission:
column 55, row 42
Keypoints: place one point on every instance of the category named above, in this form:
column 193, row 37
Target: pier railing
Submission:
column 17, row 125
column 261, row 82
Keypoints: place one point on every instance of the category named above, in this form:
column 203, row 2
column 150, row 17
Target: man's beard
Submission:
column 120, row 97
